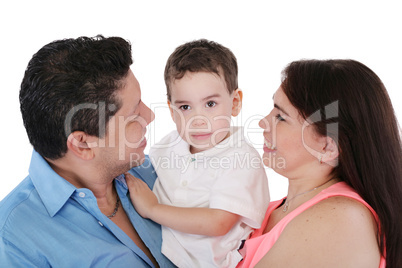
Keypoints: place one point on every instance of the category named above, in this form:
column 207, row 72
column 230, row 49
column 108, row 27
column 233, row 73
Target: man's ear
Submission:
column 82, row 144
column 330, row 152
column 237, row 102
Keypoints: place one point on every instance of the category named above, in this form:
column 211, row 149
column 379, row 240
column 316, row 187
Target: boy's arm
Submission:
column 200, row 221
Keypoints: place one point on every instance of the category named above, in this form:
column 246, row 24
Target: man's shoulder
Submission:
column 145, row 172
column 15, row 202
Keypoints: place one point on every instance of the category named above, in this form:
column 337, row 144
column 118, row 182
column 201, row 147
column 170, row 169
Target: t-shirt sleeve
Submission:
column 241, row 187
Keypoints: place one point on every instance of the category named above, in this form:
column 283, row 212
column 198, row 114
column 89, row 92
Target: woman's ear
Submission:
column 330, row 154
column 81, row 145
column 237, row 102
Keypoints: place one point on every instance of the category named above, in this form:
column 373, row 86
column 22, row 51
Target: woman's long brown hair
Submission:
column 356, row 111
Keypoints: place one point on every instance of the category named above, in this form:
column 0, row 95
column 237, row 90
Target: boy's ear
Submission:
column 170, row 109
column 237, row 101
column 81, row 145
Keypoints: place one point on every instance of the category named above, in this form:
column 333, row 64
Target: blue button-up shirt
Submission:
column 47, row 222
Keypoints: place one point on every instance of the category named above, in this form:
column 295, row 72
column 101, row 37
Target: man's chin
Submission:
column 136, row 159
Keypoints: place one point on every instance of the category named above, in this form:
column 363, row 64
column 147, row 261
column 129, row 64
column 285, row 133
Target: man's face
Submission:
column 125, row 135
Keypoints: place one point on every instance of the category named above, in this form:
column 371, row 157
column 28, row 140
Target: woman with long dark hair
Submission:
column 334, row 127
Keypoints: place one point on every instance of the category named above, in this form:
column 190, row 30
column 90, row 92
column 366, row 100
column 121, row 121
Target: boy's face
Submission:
column 201, row 108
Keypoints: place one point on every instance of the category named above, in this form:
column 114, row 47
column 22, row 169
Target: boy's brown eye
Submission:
column 211, row 104
column 185, row 107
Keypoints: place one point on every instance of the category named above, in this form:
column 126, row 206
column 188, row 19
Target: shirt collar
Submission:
column 235, row 138
column 121, row 184
column 53, row 190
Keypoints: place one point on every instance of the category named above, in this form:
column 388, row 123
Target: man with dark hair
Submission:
column 82, row 109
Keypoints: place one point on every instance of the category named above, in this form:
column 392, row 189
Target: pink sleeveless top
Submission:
column 259, row 244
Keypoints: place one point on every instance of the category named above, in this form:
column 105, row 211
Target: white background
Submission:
column 264, row 36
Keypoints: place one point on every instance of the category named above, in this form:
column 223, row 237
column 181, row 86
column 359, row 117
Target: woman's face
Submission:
column 288, row 139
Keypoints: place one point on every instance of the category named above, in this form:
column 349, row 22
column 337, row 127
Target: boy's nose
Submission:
column 198, row 121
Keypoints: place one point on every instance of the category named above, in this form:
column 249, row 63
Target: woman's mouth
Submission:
column 269, row 147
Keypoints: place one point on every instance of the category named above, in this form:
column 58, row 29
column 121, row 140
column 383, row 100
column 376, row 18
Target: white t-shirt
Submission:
column 229, row 177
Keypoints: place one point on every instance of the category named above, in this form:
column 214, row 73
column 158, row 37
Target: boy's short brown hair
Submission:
column 201, row 56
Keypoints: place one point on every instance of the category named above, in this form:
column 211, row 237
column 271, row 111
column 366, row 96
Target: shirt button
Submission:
column 81, row 194
column 100, row 223
column 184, row 183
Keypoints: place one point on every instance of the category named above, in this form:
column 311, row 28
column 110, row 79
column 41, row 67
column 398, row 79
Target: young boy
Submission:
column 211, row 186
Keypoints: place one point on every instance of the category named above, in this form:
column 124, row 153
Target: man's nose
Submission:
column 148, row 114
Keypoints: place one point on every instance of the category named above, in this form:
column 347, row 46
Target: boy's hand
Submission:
column 143, row 199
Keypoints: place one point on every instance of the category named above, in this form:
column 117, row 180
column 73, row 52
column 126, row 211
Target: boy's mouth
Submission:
column 201, row 136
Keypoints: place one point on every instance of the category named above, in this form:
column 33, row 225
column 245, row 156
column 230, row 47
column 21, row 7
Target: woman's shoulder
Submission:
column 340, row 215
column 336, row 226
column 337, row 203
column 338, row 208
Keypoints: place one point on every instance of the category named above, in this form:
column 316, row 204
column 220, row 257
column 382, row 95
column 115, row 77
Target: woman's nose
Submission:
column 264, row 124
